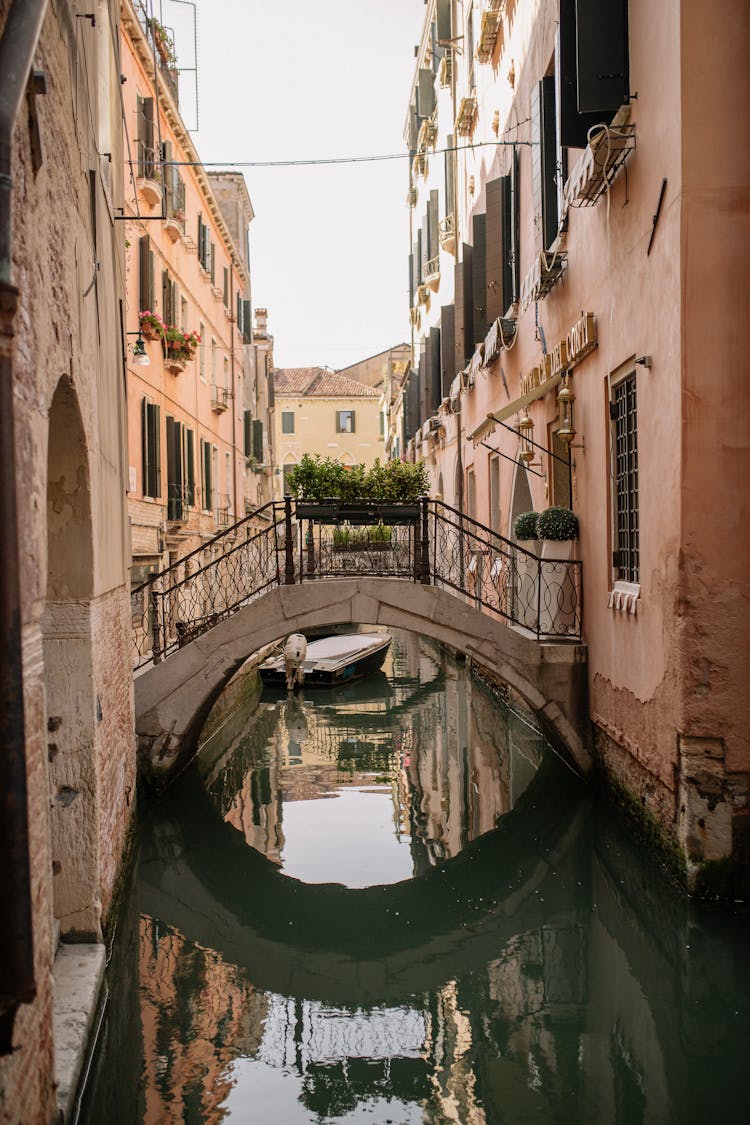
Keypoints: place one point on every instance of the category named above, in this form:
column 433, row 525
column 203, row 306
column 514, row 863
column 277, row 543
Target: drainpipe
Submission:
column 20, row 36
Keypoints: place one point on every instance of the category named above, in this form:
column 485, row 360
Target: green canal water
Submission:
column 394, row 903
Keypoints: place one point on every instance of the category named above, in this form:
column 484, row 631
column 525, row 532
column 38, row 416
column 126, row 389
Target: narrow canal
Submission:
column 394, row 903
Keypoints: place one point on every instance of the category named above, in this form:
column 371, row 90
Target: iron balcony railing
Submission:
column 287, row 542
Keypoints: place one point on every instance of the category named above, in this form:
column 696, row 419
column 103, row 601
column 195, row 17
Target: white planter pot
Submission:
column 526, row 585
column 558, row 596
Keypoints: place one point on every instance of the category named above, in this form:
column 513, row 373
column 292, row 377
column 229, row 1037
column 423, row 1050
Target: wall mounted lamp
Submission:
column 525, row 431
column 140, row 355
column 566, row 405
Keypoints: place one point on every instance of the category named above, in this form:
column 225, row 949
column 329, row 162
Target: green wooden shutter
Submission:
column 247, row 323
column 494, row 249
column 425, row 92
column 207, row 489
column 145, row 459
column 258, row 440
column 144, row 289
column 444, row 21
column 447, row 348
column 247, row 420
column 479, row 279
column 190, row 466
column 450, row 179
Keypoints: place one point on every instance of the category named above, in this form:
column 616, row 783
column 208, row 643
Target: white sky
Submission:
column 300, row 79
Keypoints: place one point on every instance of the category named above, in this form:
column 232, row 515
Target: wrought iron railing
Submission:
column 287, row 542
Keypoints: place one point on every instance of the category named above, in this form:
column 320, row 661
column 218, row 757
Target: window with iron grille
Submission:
column 624, row 418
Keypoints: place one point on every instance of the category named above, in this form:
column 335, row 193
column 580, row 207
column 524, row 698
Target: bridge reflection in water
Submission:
column 532, row 970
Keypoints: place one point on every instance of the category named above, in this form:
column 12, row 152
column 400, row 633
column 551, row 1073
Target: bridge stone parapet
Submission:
column 173, row 698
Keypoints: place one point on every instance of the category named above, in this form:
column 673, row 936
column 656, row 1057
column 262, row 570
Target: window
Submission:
column 226, row 287
column 623, row 413
column 287, row 421
column 169, row 299
column 202, row 352
column 247, row 421
column 151, row 448
column 207, row 471
column 471, row 494
column 204, row 245
column 495, row 494
column 145, row 275
column 286, row 469
column 176, row 471
column 147, row 163
column 544, row 159
column 344, row 421
column 258, row 440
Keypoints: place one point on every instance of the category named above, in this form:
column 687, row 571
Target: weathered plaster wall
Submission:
column 74, row 605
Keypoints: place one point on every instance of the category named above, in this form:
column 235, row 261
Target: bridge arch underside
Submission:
column 173, row 698
column 340, row 945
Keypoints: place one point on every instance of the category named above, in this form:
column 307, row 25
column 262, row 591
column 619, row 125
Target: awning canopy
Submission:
column 513, row 407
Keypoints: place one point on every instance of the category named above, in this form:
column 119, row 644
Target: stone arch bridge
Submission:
column 435, row 573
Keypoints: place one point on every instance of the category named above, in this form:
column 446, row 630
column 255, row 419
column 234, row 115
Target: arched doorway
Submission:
column 71, row 706
column 522, row 501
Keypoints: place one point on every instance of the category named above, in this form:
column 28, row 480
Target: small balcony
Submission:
column 447, row 233
column 419, row 164
column 467, row 115
column 543, row 276
column 219, row 399
column 427, row 133
column 179, row 499
column 445, row 71
column 432, row 273
column 490, row 34
column 149, row 174
column 599, row 164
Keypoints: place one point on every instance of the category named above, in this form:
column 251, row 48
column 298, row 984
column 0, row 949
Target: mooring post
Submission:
column 288, row 545
column 425, row 542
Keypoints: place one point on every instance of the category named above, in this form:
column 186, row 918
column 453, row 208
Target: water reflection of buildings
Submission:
column 197, row 1013
column 433, row 738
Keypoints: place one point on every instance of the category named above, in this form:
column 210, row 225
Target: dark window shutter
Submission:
column 166, row 298
column 258, row 440
column 494, row 249
column 507, row 290
column 208, row 494
column 226, row 287
column 247, row 323
column 247, row 420
column 434, row 382
column 422, row 384
column 515, row 222
column 412, row 288
column 190, row 466
column 443, row 19
column 549, row 160
column 144, row 288
column 464, row 308
column 145, row 459
column 353, row 422
column 447, row 348
column 271, row 389
column 602, row 54
column 450, row 178
column 413, row 127
column 212, row 263
column 240, row 318
column 432, row 225
column 573, row 126
column 152, row 449
column 425, row 92
column 479, row 279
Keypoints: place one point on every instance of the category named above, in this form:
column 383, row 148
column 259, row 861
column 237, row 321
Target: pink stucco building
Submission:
column 579, row 213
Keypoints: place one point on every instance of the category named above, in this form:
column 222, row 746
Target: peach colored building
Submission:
column 318, row 411
column 187, row 265
column 579, row 216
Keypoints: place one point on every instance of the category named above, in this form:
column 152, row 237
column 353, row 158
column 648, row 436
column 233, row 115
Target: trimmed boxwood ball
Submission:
column 525, row 526
column 557, row 523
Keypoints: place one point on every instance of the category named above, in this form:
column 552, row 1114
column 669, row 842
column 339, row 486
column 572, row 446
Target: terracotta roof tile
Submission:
column 318, row 382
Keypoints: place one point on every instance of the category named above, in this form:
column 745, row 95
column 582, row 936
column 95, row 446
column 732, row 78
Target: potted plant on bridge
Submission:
column 330, row 492
column 558, row 530
column 526, row 579
column 557, row 527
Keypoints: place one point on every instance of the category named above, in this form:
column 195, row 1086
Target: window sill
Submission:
column 624, row 597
